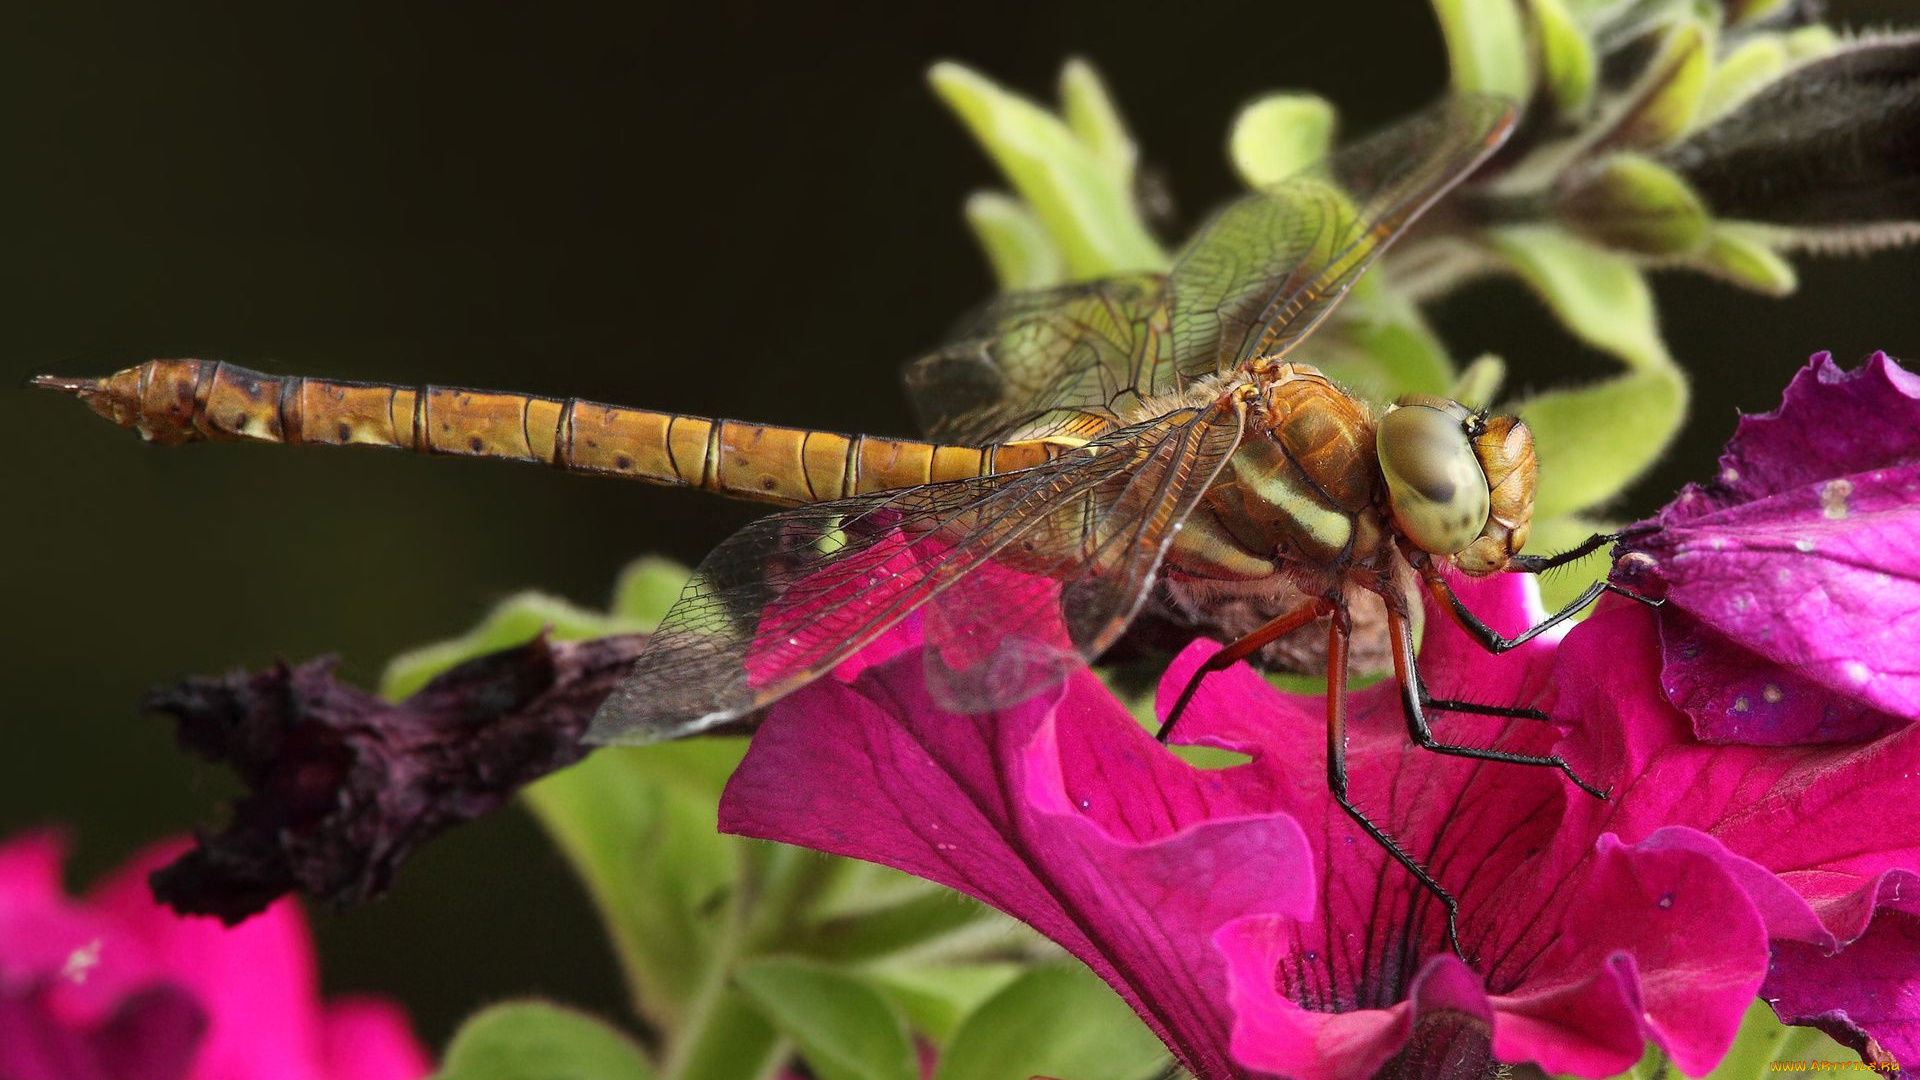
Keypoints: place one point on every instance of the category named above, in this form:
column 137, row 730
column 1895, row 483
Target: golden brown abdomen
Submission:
column 175, row 401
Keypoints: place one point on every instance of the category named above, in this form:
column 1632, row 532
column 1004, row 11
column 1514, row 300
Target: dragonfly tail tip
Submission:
column 64, row 383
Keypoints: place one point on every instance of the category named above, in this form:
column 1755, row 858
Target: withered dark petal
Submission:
column 344, row 786
column 1832, row 145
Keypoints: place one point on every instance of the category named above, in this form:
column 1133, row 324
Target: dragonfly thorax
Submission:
column 1301, row 493
column 1319, row 486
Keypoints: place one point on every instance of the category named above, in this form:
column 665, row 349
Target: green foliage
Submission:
column 1279, row 136
column 1568, row 66
column 1633, row 203
column 641, row 596
column 845, row 1028
column 534, row 1040
column 1664, row 103
column 1739, row 254
column 1055, row 1020
column 1018, row 248
column 1741, row 73
column 1075, row 174
column 1762, row 1042
column 1487, row 45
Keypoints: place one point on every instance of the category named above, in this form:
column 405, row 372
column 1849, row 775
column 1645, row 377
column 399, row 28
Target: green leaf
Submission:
column 516, row 620
column 1567, row 64
column 642, row 594
column 1479, row 383
column 913, row 923
column 1095, row 120
column 1740, row 11
column 1279, row 136
column 1739, row 74
column 936, row 997
column 646, row 589
column 1812, row 1044
column 1594, row 440
column 1763, row 1040
column 1664, row 103
column 1739, row 254
column 1487, row 45
column 1761, row 1044
column 534, row 1040
column 1018, row 248
column 729, row 1039
column 1379, row 344
column 1599, row 296
column 1810, row 42
column 1057, row 1020
column 639, row 827
column 1633, row 203
column 845, row 1029
column 1070, row 185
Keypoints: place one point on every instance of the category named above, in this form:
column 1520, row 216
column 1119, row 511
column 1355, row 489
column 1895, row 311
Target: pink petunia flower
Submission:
column 115, row 987
column 1260, row 933
column 1793, row 579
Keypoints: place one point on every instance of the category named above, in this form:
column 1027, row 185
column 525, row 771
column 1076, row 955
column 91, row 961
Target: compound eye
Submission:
column 1435, row 487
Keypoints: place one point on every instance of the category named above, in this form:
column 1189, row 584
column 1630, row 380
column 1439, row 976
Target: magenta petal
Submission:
column 1862, row 995
column 1273, row 1034
column 151, row 1034
column 1059, row 811
column 1584, row 962
column 30, row 870
column 259, row 980
column 117, row 987
column 1823, row 840
column 1793, row 580
column 370, row 1039
column 1830, row 822
column 1659, row 935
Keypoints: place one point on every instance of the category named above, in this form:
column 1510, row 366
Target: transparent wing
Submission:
column 1033, row 363
column 1267, row 269
column 1254, row 281
column 1027, row 573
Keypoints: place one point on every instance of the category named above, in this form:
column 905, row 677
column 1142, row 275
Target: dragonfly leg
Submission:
column 1237, row 651
column 1337, row 779
column 1413, row 699
column 1491, row 639
column 1434, row 704
column 1540, row 564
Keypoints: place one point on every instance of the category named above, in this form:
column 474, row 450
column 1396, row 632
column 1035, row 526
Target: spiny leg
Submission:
column 1337, row 778
column 1406, row 673
column 1511, row 712
column 1491, row 639
column 1238, row 651
column 1493, row 642
column 1540, row 564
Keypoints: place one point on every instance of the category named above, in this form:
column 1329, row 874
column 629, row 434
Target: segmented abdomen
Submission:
column 173, row 401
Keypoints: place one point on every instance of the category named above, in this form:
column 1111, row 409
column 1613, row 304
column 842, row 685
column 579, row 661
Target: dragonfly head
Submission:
column 1459, row 483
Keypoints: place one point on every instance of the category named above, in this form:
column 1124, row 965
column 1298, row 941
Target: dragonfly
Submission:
column 1085, row 446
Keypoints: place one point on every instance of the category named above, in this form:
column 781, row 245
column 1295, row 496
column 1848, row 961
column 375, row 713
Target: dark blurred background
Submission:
column 730, row 208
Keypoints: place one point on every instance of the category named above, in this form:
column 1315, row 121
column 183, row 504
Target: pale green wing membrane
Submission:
column 1031, row 362
column 1008, row 581
column 1266, row 270
column 1022, row 576
column 1257, row 278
